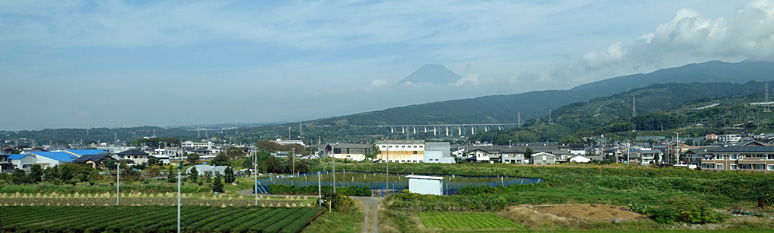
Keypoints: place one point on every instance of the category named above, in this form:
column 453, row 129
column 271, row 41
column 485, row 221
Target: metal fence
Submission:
column 450, row 187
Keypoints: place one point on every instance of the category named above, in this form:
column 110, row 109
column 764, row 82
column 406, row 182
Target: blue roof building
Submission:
column 56, row 156
column 17, row 156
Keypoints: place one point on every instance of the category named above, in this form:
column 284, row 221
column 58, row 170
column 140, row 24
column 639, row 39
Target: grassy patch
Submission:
column 464, row 221
column 350, row 221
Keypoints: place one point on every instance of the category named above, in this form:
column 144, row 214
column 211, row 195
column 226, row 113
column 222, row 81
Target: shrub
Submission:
column 687, row 210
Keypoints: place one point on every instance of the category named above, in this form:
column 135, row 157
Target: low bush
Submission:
column 685, row 210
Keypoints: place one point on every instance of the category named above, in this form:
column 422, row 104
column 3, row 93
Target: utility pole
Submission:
column 118, row 183
column 333, row 164
column 293, row 160
column 387, row 174
column 179, row 170
column 627, row 151
column 677, row 148
column 255, row 176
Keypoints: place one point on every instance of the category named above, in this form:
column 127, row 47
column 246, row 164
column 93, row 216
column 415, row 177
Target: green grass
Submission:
column 330, row 222
column 462, row 221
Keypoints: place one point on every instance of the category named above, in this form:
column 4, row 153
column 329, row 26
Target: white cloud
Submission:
column 611, row 54
column 377, row 83
column 686, row 38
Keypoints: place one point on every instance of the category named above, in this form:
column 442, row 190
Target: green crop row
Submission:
column 457, row 221
column 155, row 219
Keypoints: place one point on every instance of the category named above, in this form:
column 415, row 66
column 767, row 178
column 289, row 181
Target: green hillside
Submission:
column 694, row 109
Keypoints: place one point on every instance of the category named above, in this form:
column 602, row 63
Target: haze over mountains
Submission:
column 506, row 108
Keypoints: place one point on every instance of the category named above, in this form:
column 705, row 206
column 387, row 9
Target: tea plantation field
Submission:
column 154, row 219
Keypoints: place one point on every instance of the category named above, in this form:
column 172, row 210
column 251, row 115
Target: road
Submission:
column 370, row 205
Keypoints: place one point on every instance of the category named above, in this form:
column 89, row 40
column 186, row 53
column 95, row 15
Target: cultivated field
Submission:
column 467, row 221
column 155, row 219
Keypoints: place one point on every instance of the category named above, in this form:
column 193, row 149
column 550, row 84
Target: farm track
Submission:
column 370, row 205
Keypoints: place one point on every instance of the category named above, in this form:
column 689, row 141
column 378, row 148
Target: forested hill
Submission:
column 701, row 107
column 655, row 98
column 505, row 108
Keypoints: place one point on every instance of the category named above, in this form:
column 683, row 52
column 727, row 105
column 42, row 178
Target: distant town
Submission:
column 725, row 152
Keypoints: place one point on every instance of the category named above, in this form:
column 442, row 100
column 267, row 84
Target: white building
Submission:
column 350, row 151
column 23, row 161
column 432, row 185
column 543, row 158
column 580, row 159
column 195, row 145
column 289, row 142
column 438, row 152
column 401, row 151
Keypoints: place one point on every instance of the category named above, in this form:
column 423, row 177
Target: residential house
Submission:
column 481, row 156
column 163, row 159
column 22, row 161
column 650, row 156
column 5, row 163
column 96, row 161
column 739, row 158
column 577, row 149
column 731, row 138
column 136, row 155
column 543, row 158
column 401, row 151
column 512, row 154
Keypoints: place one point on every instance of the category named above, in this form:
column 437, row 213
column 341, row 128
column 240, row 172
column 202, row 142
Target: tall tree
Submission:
column 528, row 153
column 374, row 152
column 234, row 152
column 192, row 158
column 171, row 175
column 217, row 184
column 229, row 176
column 51, row 173
column 19, row 177
column 275, row 166
column 152, row 161
column 193, row 174
column 66, row 173
column 221, row 160
column 36, row 173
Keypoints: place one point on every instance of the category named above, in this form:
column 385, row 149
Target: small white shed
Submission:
column 432, row 185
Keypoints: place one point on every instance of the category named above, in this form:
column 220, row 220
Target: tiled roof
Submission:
column 752, row 149
column 133, row 152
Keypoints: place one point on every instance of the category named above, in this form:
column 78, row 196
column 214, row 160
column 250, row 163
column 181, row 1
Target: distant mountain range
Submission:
column 506, row 108
column 431, row 74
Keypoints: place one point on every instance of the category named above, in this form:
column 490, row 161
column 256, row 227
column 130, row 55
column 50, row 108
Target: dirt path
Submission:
column 370, row 205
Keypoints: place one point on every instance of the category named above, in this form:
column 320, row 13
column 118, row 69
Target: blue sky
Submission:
column 129, row 63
